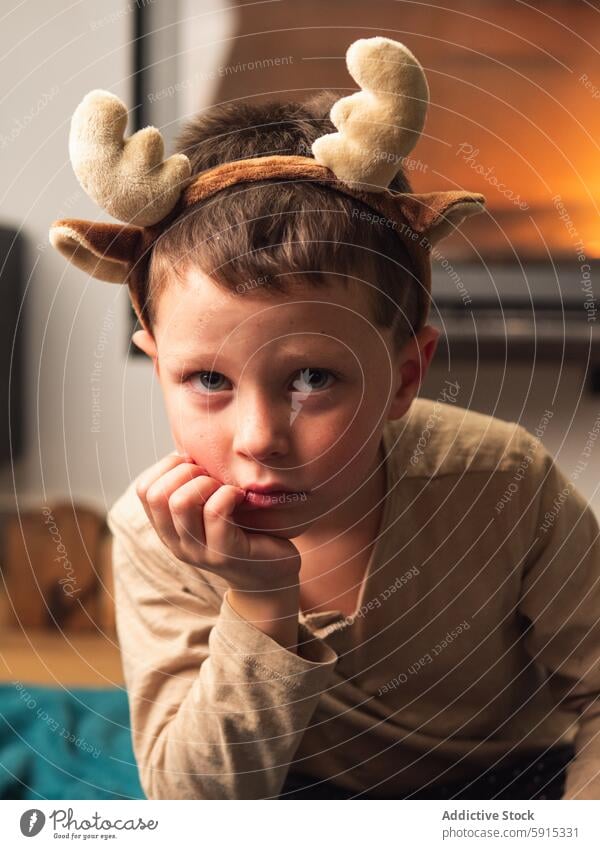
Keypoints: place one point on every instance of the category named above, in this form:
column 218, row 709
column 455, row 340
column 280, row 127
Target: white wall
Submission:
column 53, row 57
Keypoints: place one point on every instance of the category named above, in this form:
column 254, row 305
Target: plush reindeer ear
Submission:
column 103, row 250
column 438, row 214
column 450, row 212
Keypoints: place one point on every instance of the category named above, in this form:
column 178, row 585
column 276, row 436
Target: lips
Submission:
column 263, row 487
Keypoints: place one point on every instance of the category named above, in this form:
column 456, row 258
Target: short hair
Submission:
column 264, row 236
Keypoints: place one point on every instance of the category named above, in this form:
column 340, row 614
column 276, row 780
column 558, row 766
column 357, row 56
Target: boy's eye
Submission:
column 303, row 382
column 211, row 377
column 307, row 380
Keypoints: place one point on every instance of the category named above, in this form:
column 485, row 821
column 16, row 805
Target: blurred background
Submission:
column 515, row 114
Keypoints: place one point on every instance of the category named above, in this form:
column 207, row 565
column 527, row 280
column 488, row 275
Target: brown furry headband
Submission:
column 377, row 127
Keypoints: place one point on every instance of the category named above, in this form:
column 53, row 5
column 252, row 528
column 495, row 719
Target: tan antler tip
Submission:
column 126, row 177
column 380, row 125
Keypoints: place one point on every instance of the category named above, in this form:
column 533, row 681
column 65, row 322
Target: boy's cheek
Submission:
column 211, row 469
column 189, row 458
column 203, row 448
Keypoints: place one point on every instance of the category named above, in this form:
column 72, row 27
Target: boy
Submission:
column 239, row 675
column 398, row 619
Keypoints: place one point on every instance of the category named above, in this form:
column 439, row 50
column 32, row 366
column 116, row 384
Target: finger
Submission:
column 186, row 506
column 223, row 536
column 156, row 471
column 158, row 495
column 153, row 474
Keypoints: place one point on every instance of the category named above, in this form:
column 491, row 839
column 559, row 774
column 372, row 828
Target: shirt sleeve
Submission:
column 217, row 707
column 560, row 598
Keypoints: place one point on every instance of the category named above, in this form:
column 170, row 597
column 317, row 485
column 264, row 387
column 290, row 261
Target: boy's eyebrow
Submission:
column 289, row 352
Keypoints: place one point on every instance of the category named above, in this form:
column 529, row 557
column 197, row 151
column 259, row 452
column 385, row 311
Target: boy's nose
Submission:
column 262, row 430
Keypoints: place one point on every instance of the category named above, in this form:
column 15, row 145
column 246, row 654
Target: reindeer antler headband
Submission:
column 377, row 127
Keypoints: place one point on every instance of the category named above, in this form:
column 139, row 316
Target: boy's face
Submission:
column 291, row 389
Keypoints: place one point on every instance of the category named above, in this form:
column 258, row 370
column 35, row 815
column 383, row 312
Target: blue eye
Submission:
column 211, row 375
column 304, row 382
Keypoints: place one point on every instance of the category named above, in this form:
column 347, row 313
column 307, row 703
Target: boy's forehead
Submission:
column 197, row 308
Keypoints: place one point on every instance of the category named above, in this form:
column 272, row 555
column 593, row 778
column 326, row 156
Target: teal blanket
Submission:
column 66, row 744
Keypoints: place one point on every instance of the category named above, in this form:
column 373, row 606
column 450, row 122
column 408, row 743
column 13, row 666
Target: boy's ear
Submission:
column 145, row 342
column 413, row 362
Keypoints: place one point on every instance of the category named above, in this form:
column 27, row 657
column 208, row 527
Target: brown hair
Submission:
column 275, row 233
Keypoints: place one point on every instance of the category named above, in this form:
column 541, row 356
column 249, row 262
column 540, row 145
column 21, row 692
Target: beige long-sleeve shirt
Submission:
column 476, row 635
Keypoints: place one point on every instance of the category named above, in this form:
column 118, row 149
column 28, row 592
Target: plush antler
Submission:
column 381, row 124
column 126, row 177
column 377, row 126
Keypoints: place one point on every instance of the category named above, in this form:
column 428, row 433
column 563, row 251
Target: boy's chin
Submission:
column 268, row 522
column 285, row 533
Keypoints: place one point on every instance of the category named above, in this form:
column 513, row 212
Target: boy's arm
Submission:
column 560, row 595
column 218, row 707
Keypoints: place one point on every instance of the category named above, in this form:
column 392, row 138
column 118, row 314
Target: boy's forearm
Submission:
column 275, row 613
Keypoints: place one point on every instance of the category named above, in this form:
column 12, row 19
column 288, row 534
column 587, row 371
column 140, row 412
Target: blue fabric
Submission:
column 66, row 744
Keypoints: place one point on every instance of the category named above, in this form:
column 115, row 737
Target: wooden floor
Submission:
column 59, row 659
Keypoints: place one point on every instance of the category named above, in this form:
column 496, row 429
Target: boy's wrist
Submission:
column 274, row 612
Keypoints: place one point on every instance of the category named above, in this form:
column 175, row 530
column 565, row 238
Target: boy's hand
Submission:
column 192, row 514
